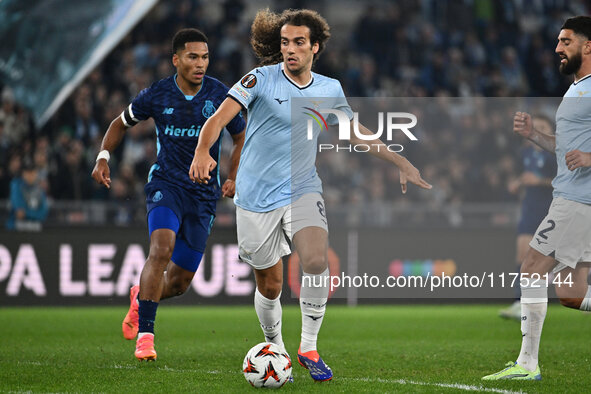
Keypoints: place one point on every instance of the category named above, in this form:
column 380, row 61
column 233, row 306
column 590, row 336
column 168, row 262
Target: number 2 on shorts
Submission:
column 543, row 232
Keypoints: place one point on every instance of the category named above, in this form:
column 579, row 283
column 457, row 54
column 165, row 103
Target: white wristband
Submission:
column 104, row 154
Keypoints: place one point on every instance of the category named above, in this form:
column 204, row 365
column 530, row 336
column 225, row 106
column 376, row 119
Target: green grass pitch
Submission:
column 370, row 349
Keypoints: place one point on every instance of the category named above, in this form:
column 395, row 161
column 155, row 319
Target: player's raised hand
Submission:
column 201, row 166
column 522, row 124
column 229, row 188
column 576, row 158
column 408, row 173
column 101, row 173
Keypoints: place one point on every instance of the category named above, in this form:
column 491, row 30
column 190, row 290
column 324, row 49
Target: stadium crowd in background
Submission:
column 402, row 49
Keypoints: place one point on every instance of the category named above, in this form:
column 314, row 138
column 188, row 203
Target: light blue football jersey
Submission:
column 277, row 167
column 573, row 131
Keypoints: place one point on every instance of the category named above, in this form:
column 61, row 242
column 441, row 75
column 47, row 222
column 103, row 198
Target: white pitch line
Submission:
column 457, row 386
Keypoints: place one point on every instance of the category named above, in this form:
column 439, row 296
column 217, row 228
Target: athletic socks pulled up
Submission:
column 313, row 297
column 534, row 304
column 147, row 316
column 269, row 314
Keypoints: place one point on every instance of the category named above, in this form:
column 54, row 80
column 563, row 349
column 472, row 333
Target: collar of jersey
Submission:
column 187, row 97
column 294, row 82
column 585, row 77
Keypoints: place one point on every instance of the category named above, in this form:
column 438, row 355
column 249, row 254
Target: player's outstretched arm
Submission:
column 101, row 172
column 523, row 125
column 203, row 163
column 408, row 172
column 229, row 187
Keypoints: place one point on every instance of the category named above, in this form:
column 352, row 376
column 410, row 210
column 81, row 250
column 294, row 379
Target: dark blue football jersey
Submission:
column 179, row 120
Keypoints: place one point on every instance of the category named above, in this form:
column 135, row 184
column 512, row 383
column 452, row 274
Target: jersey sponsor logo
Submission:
column 581, row 93
column 157, row 196
column 249, row 81
column 208, row 109
column 168, row 111
column 182, row 132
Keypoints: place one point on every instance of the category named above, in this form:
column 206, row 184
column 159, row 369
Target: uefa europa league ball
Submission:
column 267, row 365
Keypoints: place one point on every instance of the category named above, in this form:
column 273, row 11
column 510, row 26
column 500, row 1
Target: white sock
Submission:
column 586, row 303
column 141, row 334
column 313, row 297
column 534, row 304
column 269, row 313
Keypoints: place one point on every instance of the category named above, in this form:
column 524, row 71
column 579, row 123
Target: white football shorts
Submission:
column 265, row 237
column 566, row 233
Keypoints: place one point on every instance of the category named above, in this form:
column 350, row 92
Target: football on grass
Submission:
column 267, row 365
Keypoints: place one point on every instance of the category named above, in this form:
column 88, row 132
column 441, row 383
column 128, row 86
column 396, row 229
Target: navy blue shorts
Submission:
column 194, row 219
column 531, row 217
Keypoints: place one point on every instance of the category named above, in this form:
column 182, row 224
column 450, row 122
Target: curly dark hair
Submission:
column 265, row 32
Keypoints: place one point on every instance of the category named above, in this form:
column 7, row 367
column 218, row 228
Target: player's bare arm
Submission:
column 101, row 172
column 229, row 187
column 408, row 172
column 577, row 159
column 522, row 125
column 203, row 163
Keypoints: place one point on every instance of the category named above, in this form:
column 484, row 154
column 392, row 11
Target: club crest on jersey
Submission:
column 157, row 196
column 249, row 81
column 208, row 109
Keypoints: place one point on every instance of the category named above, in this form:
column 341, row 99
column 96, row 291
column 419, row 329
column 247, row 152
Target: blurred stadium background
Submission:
column 92, row 244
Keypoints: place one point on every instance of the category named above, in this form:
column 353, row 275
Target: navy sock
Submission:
column 147, row 315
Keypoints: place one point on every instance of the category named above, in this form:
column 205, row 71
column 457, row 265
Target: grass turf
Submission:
column 370, row 349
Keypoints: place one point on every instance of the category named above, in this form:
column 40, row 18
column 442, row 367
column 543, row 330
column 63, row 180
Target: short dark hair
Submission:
column 184, row 36
column 580, row 25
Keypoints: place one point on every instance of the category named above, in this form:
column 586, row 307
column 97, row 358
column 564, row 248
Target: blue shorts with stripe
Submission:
column 195, row 218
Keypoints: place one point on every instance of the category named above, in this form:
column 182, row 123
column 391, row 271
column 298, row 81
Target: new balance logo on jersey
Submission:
column 168, row 111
